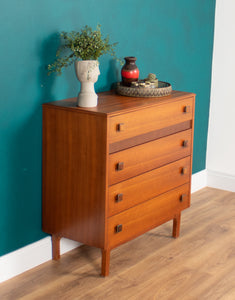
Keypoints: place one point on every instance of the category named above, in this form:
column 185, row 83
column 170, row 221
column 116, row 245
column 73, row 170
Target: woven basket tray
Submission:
column 163, row 89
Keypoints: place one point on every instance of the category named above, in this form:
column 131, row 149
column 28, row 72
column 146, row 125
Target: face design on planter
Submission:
column 88, row 72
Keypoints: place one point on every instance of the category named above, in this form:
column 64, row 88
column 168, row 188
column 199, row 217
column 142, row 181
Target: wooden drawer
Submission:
column 147, row 215
column 148, row 185
column 136, row 160
column 128, row 125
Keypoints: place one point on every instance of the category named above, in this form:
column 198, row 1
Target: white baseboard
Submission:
column 220, row 181
column 199, row 181
column 30, row 256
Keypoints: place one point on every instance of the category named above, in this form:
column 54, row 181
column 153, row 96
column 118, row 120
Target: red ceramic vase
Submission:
column 129, row 71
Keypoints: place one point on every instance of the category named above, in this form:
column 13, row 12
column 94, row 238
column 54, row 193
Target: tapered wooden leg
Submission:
column 55, row 239
column 176, row 226
column 105, row 262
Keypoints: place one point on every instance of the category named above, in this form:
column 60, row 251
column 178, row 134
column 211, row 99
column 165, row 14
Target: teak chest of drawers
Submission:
column 113, row 172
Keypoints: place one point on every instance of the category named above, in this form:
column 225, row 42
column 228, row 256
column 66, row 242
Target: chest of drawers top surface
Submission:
column 111, row 104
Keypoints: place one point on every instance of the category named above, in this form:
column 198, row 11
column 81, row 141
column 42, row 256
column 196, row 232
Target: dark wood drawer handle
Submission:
column 118, row 228
column 184, row 171
column 120, row 127
column 186, row 109
column 185, row 143
column 183, row 197
column 120, row 166
column 119, row 197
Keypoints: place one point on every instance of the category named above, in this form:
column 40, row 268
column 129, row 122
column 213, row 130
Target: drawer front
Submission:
column 145, row 216
column 139, row 122
column 146, row 186
column 136, row 160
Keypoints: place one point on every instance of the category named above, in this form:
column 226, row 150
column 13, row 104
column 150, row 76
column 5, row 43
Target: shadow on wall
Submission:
column 23, row 201
column 110, row 73
column 23, row 205
column 112, row 76
column 47, row 53
column 108, row 80
column 22, row 223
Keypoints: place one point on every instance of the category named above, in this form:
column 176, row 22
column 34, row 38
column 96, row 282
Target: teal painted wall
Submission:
column 171, row 38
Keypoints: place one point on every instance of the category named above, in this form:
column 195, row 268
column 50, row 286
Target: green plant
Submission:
column 87, row 44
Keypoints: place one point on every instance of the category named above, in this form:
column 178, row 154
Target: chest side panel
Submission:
column 74, row 175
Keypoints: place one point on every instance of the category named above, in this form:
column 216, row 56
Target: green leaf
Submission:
column 85, row 45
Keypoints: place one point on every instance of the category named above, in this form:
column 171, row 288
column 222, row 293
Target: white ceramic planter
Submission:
column 87, row 72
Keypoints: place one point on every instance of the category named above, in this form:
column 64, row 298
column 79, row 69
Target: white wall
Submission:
column 221, row 134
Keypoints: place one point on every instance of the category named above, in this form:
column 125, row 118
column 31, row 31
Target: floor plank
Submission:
column 200, row 264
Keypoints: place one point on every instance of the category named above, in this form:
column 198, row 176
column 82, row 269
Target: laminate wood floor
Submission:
column 200, row 264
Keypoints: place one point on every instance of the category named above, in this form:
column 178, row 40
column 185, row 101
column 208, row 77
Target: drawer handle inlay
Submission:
column 120, row 127
column 185, row 143
column 120, row 166
column 183, row 197
column 118, row 228
column 119, row 197
column 186, row 109
column 184, row 171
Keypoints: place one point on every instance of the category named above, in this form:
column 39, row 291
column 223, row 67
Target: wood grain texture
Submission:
column 55, row 242
column 192, row 140
column 150, row 136
column 147, row 215
column 148, row 156
column 109, row 103
column 105, row 262
column 198, row 265
column 149, row 119
column 147, row 185
column 74, row 176
column 80, row 167
column 176, row 225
